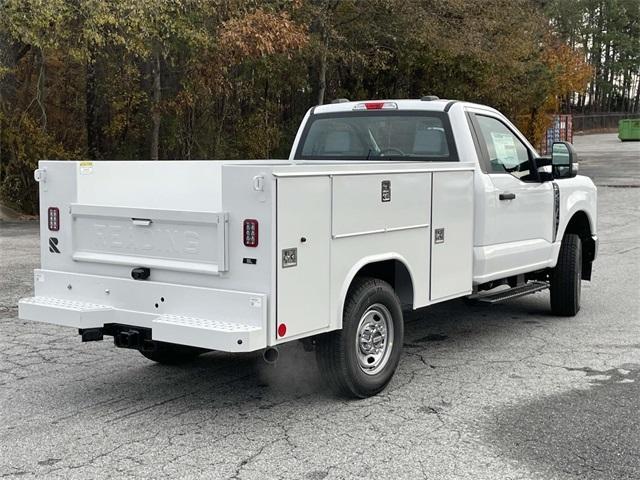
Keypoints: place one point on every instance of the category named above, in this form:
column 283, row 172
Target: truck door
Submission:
column 518, row 219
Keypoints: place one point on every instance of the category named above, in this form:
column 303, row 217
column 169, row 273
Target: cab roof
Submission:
column 439, row 105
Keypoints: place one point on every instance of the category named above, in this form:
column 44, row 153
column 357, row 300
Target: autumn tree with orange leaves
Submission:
column 195, row 79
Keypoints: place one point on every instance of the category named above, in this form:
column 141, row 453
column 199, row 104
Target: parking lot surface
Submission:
column 482, row 392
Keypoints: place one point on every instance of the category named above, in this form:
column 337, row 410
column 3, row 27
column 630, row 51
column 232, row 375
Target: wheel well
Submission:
column 579, row 225
column 393, row 272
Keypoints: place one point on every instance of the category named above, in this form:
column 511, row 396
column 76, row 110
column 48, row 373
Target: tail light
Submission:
column 54, row 219
column 250, row 232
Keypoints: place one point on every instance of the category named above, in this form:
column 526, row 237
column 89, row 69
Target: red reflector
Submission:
column 374, row 105
column 250, row 232
column 53, row 219
column 282, row 330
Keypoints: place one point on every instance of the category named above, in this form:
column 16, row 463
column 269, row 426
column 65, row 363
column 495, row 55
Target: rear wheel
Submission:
column 172, row 354
column 566, row 278
column 360, row 360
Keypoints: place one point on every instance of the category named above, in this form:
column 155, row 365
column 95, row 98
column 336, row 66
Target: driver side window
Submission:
column 507, row 154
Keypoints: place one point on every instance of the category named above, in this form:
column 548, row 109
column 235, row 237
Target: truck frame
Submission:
column 176, row 258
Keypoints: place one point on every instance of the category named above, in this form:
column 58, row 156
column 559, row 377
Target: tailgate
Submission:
column 116, row 216
column 144, row 237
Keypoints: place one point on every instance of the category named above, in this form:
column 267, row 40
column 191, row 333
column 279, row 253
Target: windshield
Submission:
column 377, row 136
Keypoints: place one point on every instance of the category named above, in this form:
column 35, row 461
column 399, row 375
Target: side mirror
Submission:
column 564, row 160
column 542, row 166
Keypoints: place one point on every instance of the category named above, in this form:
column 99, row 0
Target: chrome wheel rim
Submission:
column 374, row 339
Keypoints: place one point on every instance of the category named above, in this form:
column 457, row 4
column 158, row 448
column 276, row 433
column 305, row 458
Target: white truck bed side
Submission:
column 205, row 287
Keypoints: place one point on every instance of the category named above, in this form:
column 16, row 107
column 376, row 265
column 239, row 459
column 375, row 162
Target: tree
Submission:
column 609, row 33
column 222, row 79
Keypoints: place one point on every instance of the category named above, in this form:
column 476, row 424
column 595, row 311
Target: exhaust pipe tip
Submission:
column 270, row 355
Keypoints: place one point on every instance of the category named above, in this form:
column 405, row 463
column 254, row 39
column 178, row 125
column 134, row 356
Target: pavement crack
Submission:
column 246, row 461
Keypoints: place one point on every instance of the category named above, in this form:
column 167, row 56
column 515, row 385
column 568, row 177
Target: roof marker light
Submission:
column 376, row 106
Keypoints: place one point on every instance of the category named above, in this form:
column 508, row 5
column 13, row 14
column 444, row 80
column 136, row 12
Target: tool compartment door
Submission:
column 451, row 234
column 369, row 204
column 302, row 256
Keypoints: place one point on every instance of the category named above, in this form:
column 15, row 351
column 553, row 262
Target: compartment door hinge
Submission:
column 40, row 176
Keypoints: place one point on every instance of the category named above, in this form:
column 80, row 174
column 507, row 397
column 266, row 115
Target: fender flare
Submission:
column 575, row 205
column 578, row 204
column 359, row 265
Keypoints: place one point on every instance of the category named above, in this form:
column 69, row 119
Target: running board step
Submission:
column 515, row 292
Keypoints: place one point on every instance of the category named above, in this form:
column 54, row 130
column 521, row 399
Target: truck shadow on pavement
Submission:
column 439, row 331
column 442, row 332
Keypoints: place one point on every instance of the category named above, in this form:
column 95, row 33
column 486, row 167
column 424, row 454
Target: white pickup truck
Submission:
column 382, row 206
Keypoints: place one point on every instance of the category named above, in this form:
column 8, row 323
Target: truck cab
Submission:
column 382, row 207
column 523, row 204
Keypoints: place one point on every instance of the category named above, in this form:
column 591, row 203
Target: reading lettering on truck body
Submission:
column 383, row 206
column 163, row 240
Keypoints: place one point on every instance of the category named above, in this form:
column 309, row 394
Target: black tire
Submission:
column 339, row 357
column 566, row 278
column 470, row 301
column 172, row 354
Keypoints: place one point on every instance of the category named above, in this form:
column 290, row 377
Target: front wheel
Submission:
column 566, row 278
column 360, row 360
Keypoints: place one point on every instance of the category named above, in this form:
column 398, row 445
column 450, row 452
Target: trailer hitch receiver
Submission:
column 140, row 273
column 126, row 336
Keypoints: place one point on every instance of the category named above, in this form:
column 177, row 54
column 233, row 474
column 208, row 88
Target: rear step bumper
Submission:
column 67, row 313
column 205, row 333
column 211, row 318
column 183, row 330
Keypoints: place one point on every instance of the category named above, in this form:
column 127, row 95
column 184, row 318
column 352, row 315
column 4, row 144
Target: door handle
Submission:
column 507, row 196
column 141, row 222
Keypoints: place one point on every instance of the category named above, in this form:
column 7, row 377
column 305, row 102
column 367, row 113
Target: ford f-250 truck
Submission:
column 382, row 206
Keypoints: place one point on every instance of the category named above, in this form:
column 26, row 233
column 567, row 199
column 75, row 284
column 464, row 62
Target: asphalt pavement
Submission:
column 610, row 162
column 482, row 392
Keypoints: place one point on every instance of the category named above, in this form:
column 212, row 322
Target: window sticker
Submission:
column 505, row 147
